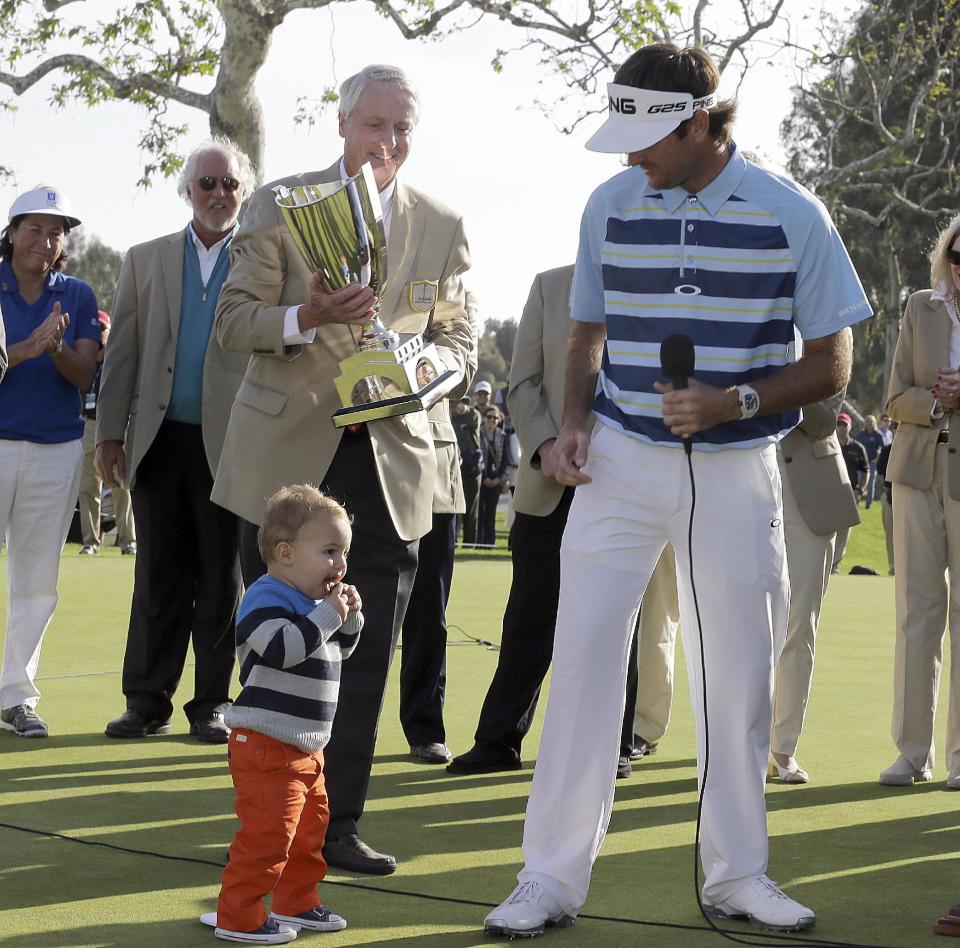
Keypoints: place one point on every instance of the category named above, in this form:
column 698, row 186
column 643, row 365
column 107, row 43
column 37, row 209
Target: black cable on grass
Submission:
column 426, row 896
column 738, row 938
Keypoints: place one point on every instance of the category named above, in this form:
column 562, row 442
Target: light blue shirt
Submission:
column 740, row 267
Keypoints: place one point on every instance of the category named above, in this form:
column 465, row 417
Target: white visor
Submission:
column 639, row 118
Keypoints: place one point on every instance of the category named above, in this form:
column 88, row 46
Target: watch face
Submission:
column 751, row 402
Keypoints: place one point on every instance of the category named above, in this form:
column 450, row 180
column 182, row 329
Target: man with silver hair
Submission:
column 165, row 398
column 385, row 472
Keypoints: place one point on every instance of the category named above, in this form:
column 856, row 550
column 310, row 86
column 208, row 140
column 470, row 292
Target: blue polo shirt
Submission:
column 741, row 268
column 36, row 402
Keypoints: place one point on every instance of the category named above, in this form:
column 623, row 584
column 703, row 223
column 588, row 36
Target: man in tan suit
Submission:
column 423, row 661
column 165, row 397
column 817, row 502
column 280, row 430
column 535, row 400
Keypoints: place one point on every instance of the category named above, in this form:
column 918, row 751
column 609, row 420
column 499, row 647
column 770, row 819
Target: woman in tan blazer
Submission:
column 925, row 470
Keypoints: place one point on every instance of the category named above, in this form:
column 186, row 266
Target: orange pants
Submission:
column 283, row 811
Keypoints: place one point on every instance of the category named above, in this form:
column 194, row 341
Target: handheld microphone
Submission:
column 677, row 360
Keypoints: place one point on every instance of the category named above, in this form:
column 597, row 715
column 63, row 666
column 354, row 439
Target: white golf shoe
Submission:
column 762, row 903
column 526, row 912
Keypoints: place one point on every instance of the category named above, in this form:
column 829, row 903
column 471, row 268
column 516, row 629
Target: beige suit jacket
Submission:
column 813, row 463
column 448, row 492
column 138, row 363
column 923, row 347
column 280, row 429
column 535, row 394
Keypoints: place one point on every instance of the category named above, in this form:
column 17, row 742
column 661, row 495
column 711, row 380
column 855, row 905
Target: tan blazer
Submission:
column 280, row 430
column 535, row 394
column 813, row 463
column 923, row 347
column 448, row 492
column 138, row 363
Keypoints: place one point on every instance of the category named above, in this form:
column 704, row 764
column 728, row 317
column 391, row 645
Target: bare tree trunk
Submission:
column 235, row 109
column 891, row 329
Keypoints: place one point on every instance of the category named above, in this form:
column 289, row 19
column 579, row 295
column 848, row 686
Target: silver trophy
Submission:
column 338, row 229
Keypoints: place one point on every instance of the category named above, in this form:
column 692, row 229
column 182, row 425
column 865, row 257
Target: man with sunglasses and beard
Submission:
column 165, row 398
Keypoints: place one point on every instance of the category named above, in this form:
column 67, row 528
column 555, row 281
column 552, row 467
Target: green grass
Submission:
column 877, row 864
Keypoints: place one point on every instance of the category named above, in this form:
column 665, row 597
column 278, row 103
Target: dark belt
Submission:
column 944, row 436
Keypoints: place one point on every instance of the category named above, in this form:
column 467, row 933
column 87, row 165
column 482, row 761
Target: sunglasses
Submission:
column 497, row 417
column 954, row 257
column 208, row 182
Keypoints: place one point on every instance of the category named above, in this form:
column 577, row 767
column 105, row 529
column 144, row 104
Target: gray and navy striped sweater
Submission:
column 289, row 647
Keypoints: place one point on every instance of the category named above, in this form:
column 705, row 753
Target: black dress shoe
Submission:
column 211, row 730
column 624, row 769
column 642, row 748
column 353, row 854
column 479, row 760
column 133, row 724
column 435, row 753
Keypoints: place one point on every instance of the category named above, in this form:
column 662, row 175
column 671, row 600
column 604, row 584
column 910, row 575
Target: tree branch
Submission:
column 123, row 87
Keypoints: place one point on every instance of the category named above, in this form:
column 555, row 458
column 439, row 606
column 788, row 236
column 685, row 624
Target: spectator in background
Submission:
column 493, row 443
column 858, row 470
column 886, row 499
column 466, row 423
column 924, row 395
column 817, row 502
column 164, row 403
column 513, row 451
column 91, row 486
column 52, row 335
column 872, row 441
column 886, row 429
column 423, row 659
column 535, row 398
column 482, row 392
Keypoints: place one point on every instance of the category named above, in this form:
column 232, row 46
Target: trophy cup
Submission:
column 338, row 229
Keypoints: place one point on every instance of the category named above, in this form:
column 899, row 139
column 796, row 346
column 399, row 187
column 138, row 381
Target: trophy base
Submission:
column 420, row 400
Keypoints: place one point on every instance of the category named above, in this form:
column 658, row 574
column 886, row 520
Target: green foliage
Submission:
column 877, row 137
column 491, row 366
column 496, row 351
column 93, row 261
column 142, row 53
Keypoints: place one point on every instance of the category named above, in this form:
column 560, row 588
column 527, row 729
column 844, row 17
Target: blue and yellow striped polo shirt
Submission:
column 742, row 268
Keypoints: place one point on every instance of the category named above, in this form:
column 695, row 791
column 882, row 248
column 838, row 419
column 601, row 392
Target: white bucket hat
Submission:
column 44, row 200
column 639, row 118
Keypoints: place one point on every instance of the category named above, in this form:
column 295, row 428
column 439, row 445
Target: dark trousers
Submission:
column 487, row 516
column 471, row 495
column 423, row 657
column 382, row 567
column 186, row 580
column 526, row 646
column 630, row 702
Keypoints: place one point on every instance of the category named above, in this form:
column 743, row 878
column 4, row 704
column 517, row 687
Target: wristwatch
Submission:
column 749, row 401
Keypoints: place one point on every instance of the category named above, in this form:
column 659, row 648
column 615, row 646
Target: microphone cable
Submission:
column 746, row 938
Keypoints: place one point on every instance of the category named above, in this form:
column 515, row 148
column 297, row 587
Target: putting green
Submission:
column 877, row 864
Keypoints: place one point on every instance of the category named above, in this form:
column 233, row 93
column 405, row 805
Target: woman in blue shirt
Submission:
column 50, row 322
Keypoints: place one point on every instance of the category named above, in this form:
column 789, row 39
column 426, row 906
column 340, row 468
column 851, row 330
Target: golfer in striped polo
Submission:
column 691, row 239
